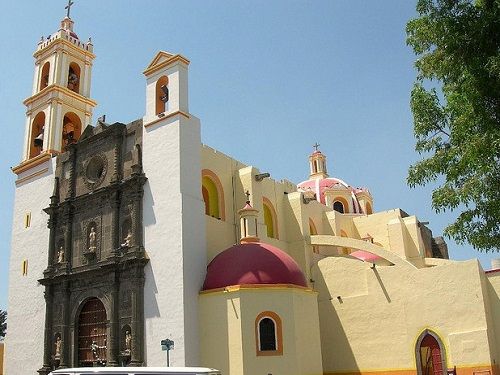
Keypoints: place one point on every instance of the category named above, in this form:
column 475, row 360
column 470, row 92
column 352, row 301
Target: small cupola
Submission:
column 317, row 163
column 248, row 222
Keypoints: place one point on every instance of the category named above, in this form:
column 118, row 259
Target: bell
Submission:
column 164, row 98
column 38, row 140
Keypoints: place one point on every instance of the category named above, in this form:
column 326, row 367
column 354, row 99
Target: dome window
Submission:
column 268, row 331
column 338, row 206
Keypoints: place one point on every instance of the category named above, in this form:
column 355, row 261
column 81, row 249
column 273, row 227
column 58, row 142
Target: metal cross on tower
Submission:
column 68, row 7
column 316, row 145
column 247, row 193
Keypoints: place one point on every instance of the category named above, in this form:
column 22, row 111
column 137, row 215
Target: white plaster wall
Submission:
column 26, row 303
column 174, row 238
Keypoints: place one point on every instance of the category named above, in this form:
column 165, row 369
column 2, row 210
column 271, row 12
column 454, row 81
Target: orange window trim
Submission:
column 220, row 191
column 279, row 334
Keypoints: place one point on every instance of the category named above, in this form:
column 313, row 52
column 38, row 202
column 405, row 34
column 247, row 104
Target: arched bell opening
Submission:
column 36, row 139
column 161, row 92
column 74, row 77
column 44, row 78
column 72, row 129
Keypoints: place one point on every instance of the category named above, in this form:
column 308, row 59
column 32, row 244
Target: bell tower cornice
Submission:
column 55, row 92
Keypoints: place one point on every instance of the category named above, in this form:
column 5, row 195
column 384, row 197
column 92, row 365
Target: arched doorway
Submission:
column 92, row 334
column 430, row 354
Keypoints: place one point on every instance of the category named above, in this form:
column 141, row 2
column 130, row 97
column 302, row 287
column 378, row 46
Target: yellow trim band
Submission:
column 63, row 90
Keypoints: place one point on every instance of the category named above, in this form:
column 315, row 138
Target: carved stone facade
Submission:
column 95, row 221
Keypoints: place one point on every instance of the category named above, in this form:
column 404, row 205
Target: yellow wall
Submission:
column 493, row 287
column 375, row 322
column 229, row 340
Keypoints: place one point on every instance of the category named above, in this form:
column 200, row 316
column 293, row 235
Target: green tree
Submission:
column 3, row 323
column 456, row 113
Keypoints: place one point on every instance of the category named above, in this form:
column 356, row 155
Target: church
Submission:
column 127, row 235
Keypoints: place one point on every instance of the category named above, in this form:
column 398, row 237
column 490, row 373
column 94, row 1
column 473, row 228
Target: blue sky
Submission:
column 268, row 79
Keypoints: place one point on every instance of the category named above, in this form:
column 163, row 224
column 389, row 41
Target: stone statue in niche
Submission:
column 60, row 255
column 128, row 341
column 92, row 240
column 58, row 344
column 127, row 241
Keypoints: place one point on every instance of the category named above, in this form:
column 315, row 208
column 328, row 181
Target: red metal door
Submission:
column 432, row 361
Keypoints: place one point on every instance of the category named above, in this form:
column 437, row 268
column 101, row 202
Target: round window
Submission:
column 95, row 171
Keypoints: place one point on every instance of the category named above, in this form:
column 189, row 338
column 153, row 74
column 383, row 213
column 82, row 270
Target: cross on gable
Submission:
column 68, row 7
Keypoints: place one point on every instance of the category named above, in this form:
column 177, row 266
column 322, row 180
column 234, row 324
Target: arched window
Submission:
column 72, row 128
column 36, row 139
column 44, row 78
column 213, row 195
column 74, row 77
column 312, row 232
column 270, row 218
column 430, row 354
column 340, row 205
column 161, row 94
column 368, row 208
column 268, row 334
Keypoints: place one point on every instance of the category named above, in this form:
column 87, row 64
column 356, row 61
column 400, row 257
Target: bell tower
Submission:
column 317, row 163
column 59, row 106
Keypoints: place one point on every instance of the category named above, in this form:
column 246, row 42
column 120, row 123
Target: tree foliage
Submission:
column 3, row 323
column 456, row 113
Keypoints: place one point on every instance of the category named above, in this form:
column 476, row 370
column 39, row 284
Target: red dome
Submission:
column 253, row 263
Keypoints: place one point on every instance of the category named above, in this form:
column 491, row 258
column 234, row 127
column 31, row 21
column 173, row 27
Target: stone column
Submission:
column 115, row 222
column 117, row 159
column 68, row 235
column 52, row 237
column 48, row 344
column 136, row 218
column 137, row 298
column 65, row 345
column 114, row 332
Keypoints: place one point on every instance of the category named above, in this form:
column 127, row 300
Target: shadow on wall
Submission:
column 151, row 309
column 148, row 217
column 330, row 325
column 494, row 301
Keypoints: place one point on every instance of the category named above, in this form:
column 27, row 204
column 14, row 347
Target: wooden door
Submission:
column 92, row 334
